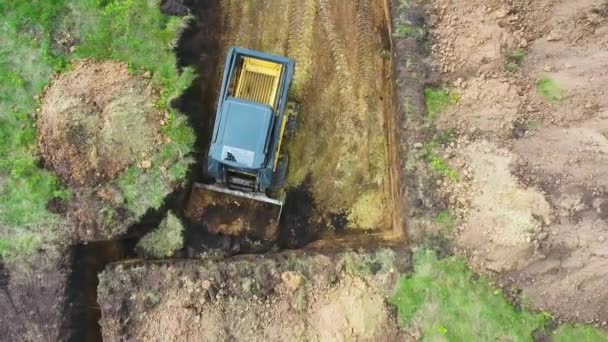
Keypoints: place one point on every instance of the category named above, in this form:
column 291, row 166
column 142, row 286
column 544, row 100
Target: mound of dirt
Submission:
column 96, row 120
column 277, row 297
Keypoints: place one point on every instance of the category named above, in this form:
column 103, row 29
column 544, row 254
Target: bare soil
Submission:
column 32, row 298
column 288, row 296
column 219, row 213
column 96, row 120
column 532, row 192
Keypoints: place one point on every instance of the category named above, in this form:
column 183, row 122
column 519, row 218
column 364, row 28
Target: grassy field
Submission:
column 40, row 38
column 444, row 301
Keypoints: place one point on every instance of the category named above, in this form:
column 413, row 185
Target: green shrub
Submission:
column 165, row 240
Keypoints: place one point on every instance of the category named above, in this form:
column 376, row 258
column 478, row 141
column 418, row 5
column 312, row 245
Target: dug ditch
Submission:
column 357, row 94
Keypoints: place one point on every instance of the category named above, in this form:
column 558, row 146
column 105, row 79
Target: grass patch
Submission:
column 549, row 89
column 438, row 100
column 578, row 333
column 165, row 240
column 446, row 302
column 407, row 31
column 135, row 32
column 515, row 59
column 446, row 220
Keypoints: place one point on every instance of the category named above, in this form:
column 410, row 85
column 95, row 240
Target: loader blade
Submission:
column 234, row 213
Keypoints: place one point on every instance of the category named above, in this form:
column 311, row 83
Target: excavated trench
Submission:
column 306, row 222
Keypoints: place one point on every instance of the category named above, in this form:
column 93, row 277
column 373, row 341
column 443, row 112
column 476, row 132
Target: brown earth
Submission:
column 532, row 192
column 288, row 296
column 96, row 120
column 32, row 295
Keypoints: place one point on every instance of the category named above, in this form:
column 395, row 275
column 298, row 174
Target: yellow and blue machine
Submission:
column 252, row 116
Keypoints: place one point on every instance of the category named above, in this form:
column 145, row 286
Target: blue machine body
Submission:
column 247, row 134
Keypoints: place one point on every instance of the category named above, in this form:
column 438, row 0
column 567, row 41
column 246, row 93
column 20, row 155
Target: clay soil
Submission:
column 341, row 153
column 532, row 196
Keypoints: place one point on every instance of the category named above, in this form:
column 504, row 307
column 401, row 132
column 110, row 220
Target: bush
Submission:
column 165, row 240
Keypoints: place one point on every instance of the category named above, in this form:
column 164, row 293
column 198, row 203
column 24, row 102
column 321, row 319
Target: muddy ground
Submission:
column 531, row 197
column 285, row 296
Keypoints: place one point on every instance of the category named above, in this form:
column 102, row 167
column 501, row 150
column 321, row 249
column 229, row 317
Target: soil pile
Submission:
column 291, row 296
column 96, row 120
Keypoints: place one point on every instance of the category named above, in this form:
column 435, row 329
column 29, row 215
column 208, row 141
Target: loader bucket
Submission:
column 234, row 213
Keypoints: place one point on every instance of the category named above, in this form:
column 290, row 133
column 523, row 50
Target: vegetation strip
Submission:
column 443, row 299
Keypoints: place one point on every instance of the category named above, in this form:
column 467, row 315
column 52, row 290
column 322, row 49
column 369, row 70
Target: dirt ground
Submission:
column 32, row 296
column 342, row 82
column 532, row 196
column 290, row 296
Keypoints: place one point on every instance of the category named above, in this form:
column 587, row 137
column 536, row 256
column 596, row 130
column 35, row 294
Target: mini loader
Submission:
column 253, row 116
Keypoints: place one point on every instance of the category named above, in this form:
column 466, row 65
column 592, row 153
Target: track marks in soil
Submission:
column 340, row 79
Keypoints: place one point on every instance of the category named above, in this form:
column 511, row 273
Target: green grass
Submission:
column 578, row 333
column 447, row 303
column 26, row 63
column 515, row 59
column 549, row 89
column 126, row 30
column 165, row 240
column 438, row 100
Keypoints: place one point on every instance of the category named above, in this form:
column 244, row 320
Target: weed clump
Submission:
column 549, row 89
column 446, row 220
column 438, row 100
column 515, row 59
column 165, row 240
column 406, row 31
column 437, row 163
